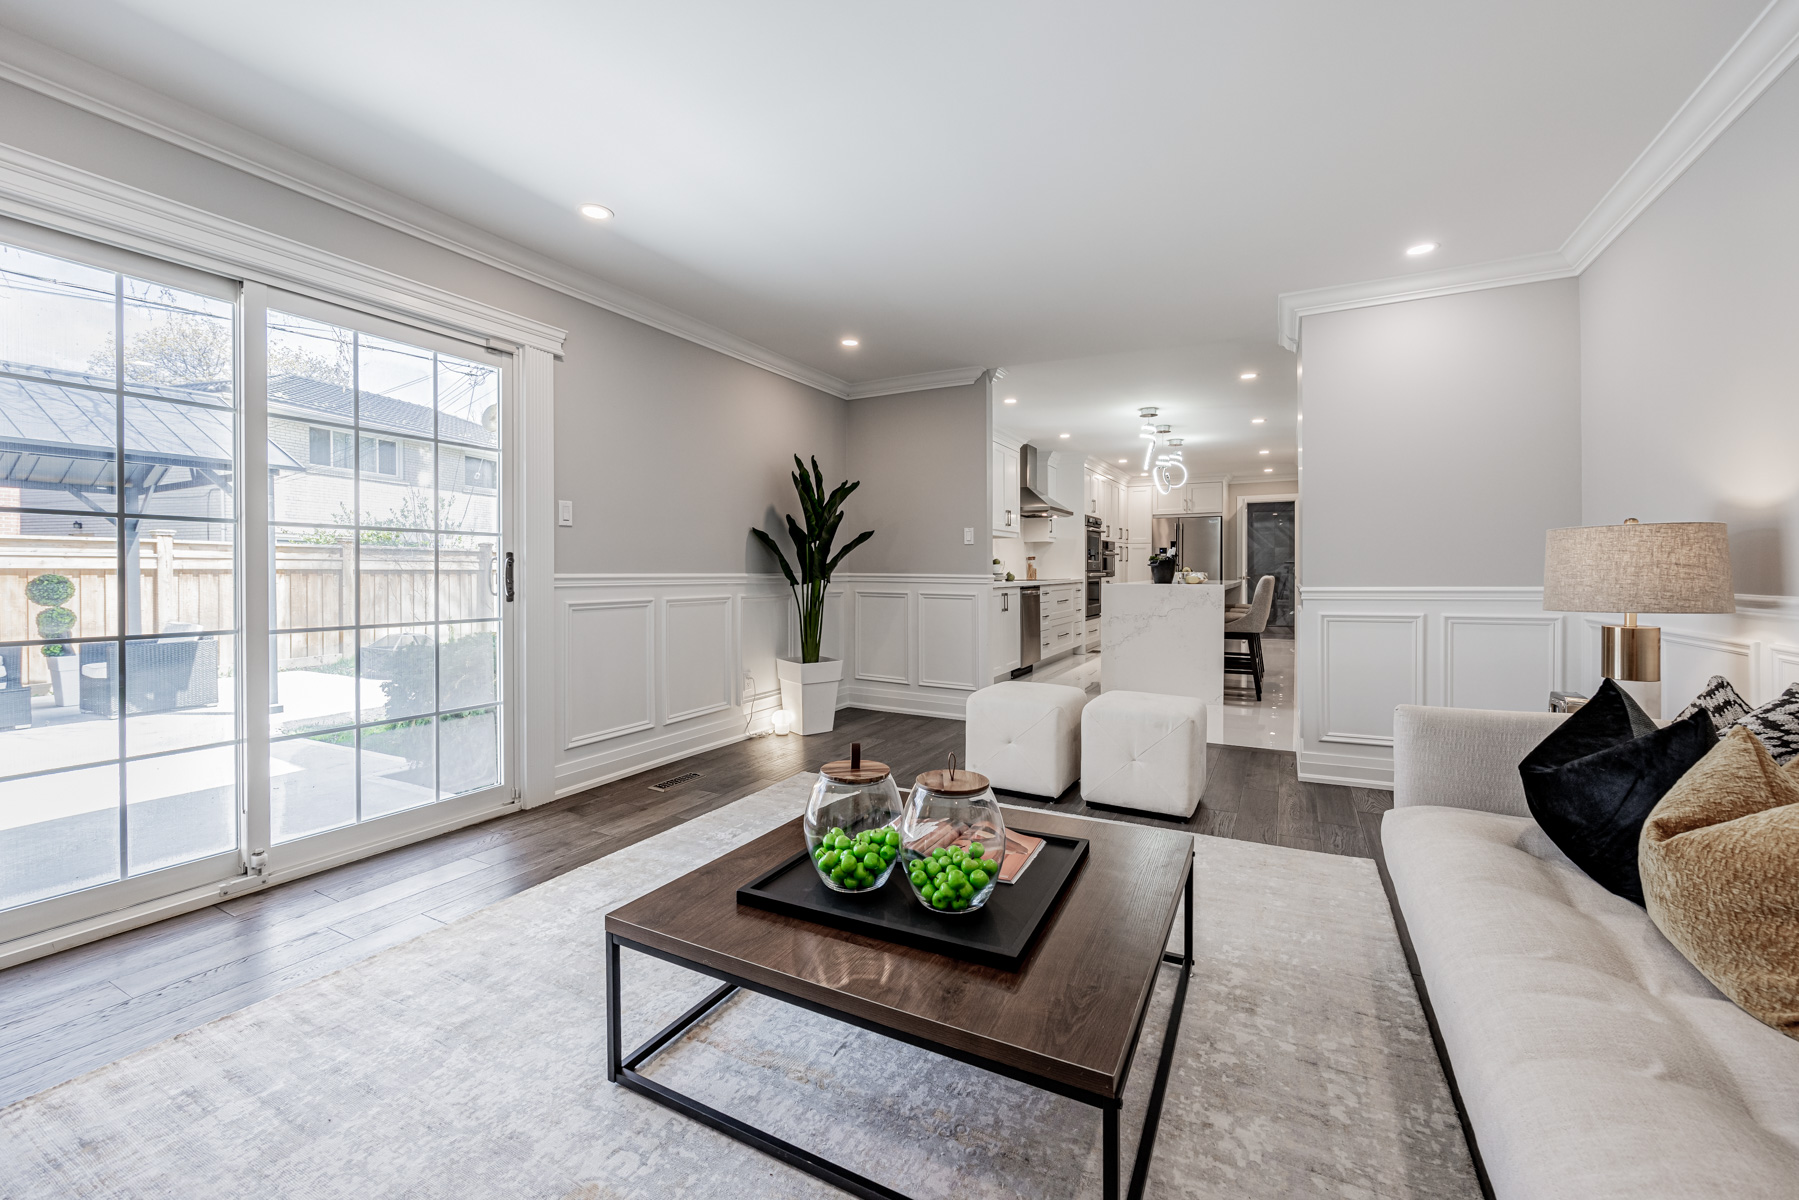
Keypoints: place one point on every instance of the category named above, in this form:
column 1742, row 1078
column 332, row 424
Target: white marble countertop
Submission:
column 1177, row 583
column 1035, row 582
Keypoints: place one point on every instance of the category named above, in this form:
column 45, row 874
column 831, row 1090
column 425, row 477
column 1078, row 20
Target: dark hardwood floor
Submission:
column 71, row 1012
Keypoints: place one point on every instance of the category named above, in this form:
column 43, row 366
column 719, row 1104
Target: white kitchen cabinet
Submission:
column 1006, row 521
column 1047, row 529
column 1108, row 504
column 1203, row 497
column 1002, row 631
column 1092, row 481
column 1133, row 562
column 1136, row 514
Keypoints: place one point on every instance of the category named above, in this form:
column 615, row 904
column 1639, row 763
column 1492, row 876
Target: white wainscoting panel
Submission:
column 762, row 634
column 883, row 636
column 612, row 691
column 948, row 636
column 1783, row 662
column 1368, row 664
column 699, row 665
column 1508, row 661
column 1495, row 648
column 1361, row 652
column 652, row 668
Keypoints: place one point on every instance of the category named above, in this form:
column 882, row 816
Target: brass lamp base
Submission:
column 1631, row 656
column 1631, row 652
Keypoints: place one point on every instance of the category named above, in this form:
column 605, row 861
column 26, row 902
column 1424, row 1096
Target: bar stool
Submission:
column 1247, row 627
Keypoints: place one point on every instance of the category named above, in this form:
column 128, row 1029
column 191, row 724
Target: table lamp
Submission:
column 1678, row 567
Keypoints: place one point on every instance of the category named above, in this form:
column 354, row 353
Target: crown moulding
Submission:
column 1747, row 69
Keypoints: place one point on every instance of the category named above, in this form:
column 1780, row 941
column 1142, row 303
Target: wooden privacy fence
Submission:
column 193, row 581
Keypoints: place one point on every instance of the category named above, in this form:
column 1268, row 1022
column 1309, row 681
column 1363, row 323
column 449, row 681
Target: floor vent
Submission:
column 675, row 782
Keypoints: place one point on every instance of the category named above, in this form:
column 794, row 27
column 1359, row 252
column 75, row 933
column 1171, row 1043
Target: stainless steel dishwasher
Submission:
column 1030, row 628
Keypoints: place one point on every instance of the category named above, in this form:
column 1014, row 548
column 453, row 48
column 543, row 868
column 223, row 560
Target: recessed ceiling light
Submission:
column 596, row 212
column 1255, row 420
column 1420, row 248
column 851, row 343
column 1143, row 475
column 1267, row 470
column 1247, row 375
column 1061, row 435
column 1124, row 460
column 1261, row 451
column 1011, row 400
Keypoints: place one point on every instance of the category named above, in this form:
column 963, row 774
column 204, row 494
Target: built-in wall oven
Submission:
column 1093, row 582
column 1094, row 544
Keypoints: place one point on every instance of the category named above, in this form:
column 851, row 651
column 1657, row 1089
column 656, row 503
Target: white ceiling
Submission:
column 957, row 184
column 1196, row 389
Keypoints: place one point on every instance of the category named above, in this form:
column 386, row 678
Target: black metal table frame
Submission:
column 622, row 1068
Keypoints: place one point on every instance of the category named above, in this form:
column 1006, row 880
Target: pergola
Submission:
column 60, row 433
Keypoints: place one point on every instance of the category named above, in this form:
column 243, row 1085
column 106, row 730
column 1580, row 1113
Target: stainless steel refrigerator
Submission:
column 1197, row 543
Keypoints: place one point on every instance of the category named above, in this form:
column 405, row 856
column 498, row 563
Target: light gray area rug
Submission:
column 470, row 1062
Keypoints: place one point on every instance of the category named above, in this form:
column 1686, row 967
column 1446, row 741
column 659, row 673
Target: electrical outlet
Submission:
column 565, row 512
column 968, row 535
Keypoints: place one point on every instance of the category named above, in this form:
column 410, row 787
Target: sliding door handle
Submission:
column 509, row 577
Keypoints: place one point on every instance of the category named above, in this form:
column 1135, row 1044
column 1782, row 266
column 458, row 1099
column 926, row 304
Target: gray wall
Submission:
column 1439, row 438
column 923, row 459
column 1690, row 324
column 669, row 451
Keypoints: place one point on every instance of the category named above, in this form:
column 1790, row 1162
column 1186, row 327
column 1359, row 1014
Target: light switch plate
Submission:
column 968, row 535
column 565, row 512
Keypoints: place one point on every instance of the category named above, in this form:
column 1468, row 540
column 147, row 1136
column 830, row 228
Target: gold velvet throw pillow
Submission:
column 1719, row 859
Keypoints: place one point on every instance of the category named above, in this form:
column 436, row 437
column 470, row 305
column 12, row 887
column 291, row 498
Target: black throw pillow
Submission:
column 1592, row 783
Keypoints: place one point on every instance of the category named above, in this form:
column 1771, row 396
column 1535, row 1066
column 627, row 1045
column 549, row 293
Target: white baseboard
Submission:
column 1348, row 772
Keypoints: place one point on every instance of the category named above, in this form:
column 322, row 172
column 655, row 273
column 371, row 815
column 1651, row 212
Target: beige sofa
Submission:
column 1593, row 1061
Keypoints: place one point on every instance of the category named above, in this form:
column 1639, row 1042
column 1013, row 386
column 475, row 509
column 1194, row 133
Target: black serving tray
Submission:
column 998, row 935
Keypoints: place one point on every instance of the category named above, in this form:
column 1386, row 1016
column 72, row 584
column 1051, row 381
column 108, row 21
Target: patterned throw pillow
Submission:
column 1776, row 723
column 1720, row 701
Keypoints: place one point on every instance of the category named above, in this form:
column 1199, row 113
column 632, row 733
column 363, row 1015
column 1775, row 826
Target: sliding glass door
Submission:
column 119, row 739
column 133, row 764
column 387, row 574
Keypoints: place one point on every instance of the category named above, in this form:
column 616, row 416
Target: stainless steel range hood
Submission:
column 1033, row 500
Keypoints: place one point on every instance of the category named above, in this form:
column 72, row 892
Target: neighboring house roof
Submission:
column 59, row 429
column 301, row 394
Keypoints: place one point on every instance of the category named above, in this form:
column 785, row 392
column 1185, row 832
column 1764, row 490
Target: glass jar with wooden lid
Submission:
column 852, row 823
column 954, row 840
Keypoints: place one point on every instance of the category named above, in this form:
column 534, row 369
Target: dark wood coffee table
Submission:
column 1067, row 1021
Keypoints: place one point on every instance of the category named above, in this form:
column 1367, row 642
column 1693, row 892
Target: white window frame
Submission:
column 53, row 196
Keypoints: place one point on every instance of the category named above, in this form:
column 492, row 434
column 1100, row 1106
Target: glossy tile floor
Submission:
column 1268, row 724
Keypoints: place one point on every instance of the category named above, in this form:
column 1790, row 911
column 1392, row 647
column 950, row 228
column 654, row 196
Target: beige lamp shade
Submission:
column 1678, row 567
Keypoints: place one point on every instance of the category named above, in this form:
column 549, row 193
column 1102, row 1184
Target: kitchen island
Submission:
column 1163, row 637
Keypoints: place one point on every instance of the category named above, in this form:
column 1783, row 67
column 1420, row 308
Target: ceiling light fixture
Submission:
column 1062, row 435
column 1261, row 451
column 1255, row 420
column 1247, row 375
column 1168, row 463
column 1267, row 470
column 1124, row 460
column 1420, row 248
column 596, row 212
column 850, row 343
column 1010, row 400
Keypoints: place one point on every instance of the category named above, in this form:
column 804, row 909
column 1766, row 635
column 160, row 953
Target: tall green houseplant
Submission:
column 812, row 546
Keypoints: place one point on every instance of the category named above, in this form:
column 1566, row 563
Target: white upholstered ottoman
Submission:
column 1026, row 737
column 1145, row 751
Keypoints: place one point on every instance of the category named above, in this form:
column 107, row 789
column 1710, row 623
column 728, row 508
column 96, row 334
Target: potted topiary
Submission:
column 1161, row 568
column 809, row 684
column 53, row 623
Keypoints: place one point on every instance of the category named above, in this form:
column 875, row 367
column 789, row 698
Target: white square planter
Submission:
column 809, row 692
column 65, row 679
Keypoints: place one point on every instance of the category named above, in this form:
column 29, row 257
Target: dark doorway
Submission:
column 1269, row 540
